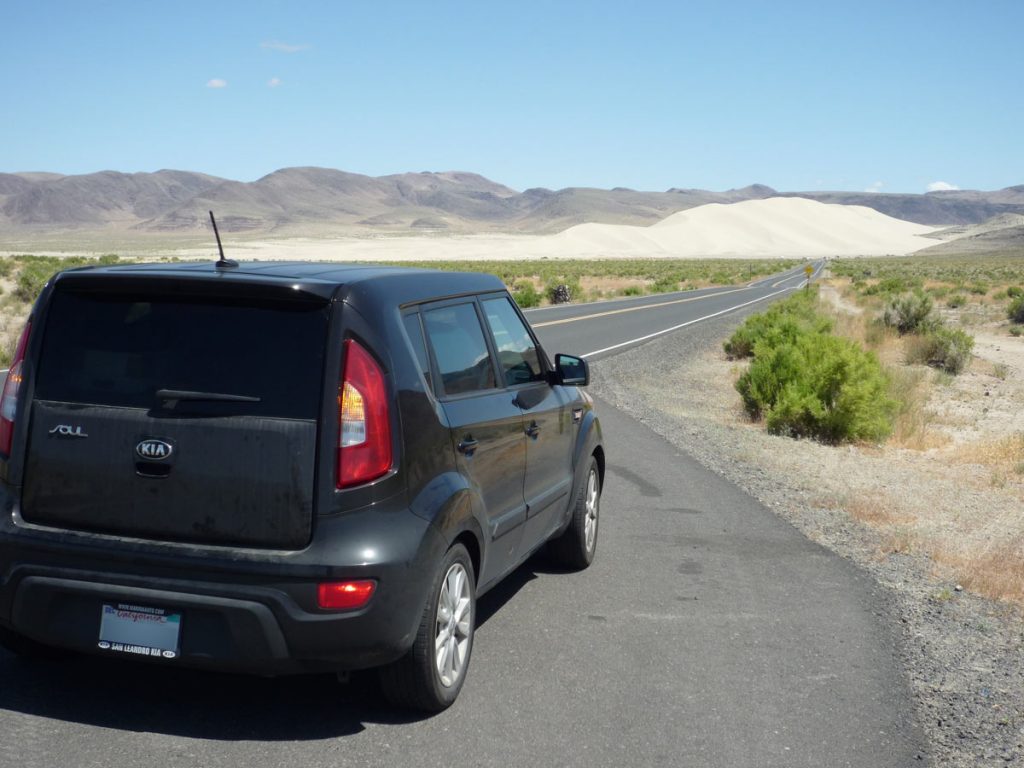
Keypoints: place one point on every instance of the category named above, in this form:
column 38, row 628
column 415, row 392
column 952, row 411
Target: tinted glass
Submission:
column 517, row 354
column 415, row 333
column 120, row 349
column 459, row 348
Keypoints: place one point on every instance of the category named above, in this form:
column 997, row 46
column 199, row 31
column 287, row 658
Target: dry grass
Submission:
column 878, row 511
column 1006, row 454
column 996, row 571
column 915, row 426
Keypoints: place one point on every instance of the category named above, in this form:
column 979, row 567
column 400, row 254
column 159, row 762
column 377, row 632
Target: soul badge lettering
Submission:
column 154, row 450
column 66, row 430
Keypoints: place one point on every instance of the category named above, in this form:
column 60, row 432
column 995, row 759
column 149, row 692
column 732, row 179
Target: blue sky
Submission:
column 892, row 96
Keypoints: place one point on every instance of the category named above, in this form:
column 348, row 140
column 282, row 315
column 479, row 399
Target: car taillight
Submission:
column 364, row 425
column 345, row 595
column 9, row 399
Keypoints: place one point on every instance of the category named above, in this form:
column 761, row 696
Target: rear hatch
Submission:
column 163, row 414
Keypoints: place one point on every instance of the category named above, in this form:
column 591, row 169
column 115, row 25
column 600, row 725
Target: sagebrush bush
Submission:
column 525, row 294
column 1016, row 310
column 666, row 284
column 948, row 349
column 1014, row 292
column 956, row 300
column 819, row 386
column 781, row 323
column 909, row 313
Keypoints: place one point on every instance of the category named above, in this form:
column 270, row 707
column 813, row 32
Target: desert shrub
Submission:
column 1016, row 330
column 781, row 323
column 892, row 285
column 666, row 284
column 31, row 279
column 948, row 349
column 819, row 386
column 1016, row 310
column 525, row 294
column 978, row 289
column 956, row 301
column 909, row 313
column 632, row 290
column 1014, row 292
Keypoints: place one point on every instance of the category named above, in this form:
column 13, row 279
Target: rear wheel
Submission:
column 431, row 675
column 576, row 547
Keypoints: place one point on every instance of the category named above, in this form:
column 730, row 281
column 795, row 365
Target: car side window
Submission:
column 517, row 353
column 414, row 331
column 463, row 361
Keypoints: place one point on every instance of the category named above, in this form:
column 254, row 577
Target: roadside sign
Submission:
column 809, row 270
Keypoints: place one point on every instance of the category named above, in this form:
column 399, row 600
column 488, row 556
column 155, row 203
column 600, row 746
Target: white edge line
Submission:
column 689, row 322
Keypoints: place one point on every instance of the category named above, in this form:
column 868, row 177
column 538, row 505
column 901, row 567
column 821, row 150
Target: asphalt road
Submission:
column 607, row 327
column 708, row 632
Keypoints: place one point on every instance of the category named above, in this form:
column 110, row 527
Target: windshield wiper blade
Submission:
column 174, row 395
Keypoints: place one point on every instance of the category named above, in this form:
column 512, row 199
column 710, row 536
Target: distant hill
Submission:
column 319, row 201
column 1000, row 234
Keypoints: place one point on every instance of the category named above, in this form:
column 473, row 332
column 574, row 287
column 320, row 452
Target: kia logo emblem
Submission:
column 154, row 450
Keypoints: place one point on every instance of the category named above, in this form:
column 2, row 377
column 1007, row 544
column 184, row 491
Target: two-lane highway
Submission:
column 602, row 328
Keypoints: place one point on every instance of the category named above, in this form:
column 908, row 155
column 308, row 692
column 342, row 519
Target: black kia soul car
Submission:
column 280, row 468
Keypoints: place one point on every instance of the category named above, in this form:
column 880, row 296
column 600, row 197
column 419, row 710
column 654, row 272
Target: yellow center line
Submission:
column 636, row 309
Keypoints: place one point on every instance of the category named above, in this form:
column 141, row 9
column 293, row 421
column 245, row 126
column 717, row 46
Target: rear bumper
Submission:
column 238, row 614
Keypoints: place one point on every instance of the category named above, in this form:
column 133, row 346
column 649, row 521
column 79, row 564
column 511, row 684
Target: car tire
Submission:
column 429, row 677
column 575, row 548
column 28, row 649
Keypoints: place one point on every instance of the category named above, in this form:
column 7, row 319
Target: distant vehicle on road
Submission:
column 284, row 468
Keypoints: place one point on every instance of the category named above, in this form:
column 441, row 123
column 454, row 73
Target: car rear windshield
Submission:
column 121, row 349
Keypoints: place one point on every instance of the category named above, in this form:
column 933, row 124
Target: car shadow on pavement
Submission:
column 143, row 697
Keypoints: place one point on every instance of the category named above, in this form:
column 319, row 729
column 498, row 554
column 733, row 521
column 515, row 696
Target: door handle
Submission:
column 467, row 445
column 533, row 430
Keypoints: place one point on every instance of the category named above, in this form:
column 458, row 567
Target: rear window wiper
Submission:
column 172, row 396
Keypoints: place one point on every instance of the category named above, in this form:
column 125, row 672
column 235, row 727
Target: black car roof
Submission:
column 407, row 284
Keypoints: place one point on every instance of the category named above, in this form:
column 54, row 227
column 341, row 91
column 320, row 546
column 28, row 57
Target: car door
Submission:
column 547, row 418
column 486, row 426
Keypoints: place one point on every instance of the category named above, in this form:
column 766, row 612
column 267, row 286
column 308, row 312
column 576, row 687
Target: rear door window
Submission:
column 517, row 352
column 120, row 349
column 463, row 361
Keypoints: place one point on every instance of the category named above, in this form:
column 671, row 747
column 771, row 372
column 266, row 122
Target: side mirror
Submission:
column 571, row 371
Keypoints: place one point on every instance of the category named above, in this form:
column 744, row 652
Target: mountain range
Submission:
column 316, row 201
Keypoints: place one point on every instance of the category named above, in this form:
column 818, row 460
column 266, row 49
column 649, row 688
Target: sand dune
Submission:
column 774, row 227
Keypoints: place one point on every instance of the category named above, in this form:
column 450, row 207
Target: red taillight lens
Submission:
column 345, row 595
column 9, row 399
column 364, row 425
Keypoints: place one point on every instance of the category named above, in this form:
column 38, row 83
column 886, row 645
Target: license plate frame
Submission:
column 140, row 630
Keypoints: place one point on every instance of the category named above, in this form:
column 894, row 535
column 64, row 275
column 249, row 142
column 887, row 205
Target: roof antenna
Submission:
column 223, row 263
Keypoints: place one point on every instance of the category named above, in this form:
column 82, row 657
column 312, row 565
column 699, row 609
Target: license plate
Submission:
column 140, row 630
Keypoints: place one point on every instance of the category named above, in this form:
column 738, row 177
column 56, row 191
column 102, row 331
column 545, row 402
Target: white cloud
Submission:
column 876, row 187
column 216, row 83
column 942, row 186
column 277, row 45
column 273, row 82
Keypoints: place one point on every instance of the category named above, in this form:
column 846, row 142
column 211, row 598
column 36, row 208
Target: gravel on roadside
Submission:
column 964, row 655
